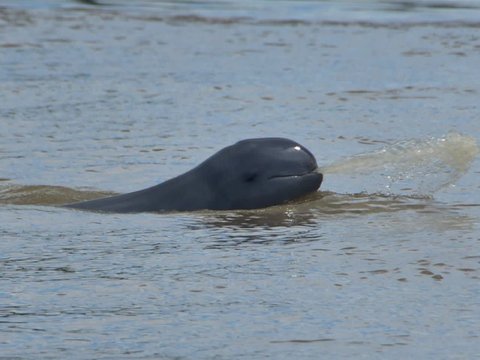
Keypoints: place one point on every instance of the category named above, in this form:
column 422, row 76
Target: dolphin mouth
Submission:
column 315, row 171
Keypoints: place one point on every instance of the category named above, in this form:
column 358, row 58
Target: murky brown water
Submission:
column 382, row 263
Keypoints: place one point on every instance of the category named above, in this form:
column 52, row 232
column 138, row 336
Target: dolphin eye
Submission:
column 250, row 177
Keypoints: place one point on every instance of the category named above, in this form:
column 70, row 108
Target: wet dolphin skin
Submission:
column 250, row 174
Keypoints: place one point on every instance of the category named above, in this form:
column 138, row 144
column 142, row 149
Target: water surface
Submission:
column 382, row 263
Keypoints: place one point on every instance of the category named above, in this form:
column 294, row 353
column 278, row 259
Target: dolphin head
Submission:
column 262, row 172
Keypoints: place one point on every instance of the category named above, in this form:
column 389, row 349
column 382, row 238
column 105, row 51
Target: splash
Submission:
column 419, row 167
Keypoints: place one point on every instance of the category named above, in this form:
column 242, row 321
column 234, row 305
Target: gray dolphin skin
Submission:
column 250, row 174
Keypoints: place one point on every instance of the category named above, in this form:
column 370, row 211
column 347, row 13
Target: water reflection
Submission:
column 312, row 220
column 277, row 216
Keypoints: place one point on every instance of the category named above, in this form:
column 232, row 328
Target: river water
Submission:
column 106, row 97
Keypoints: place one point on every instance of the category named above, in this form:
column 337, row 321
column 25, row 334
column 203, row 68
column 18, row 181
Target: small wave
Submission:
column 415, row 166
column 45, row 194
